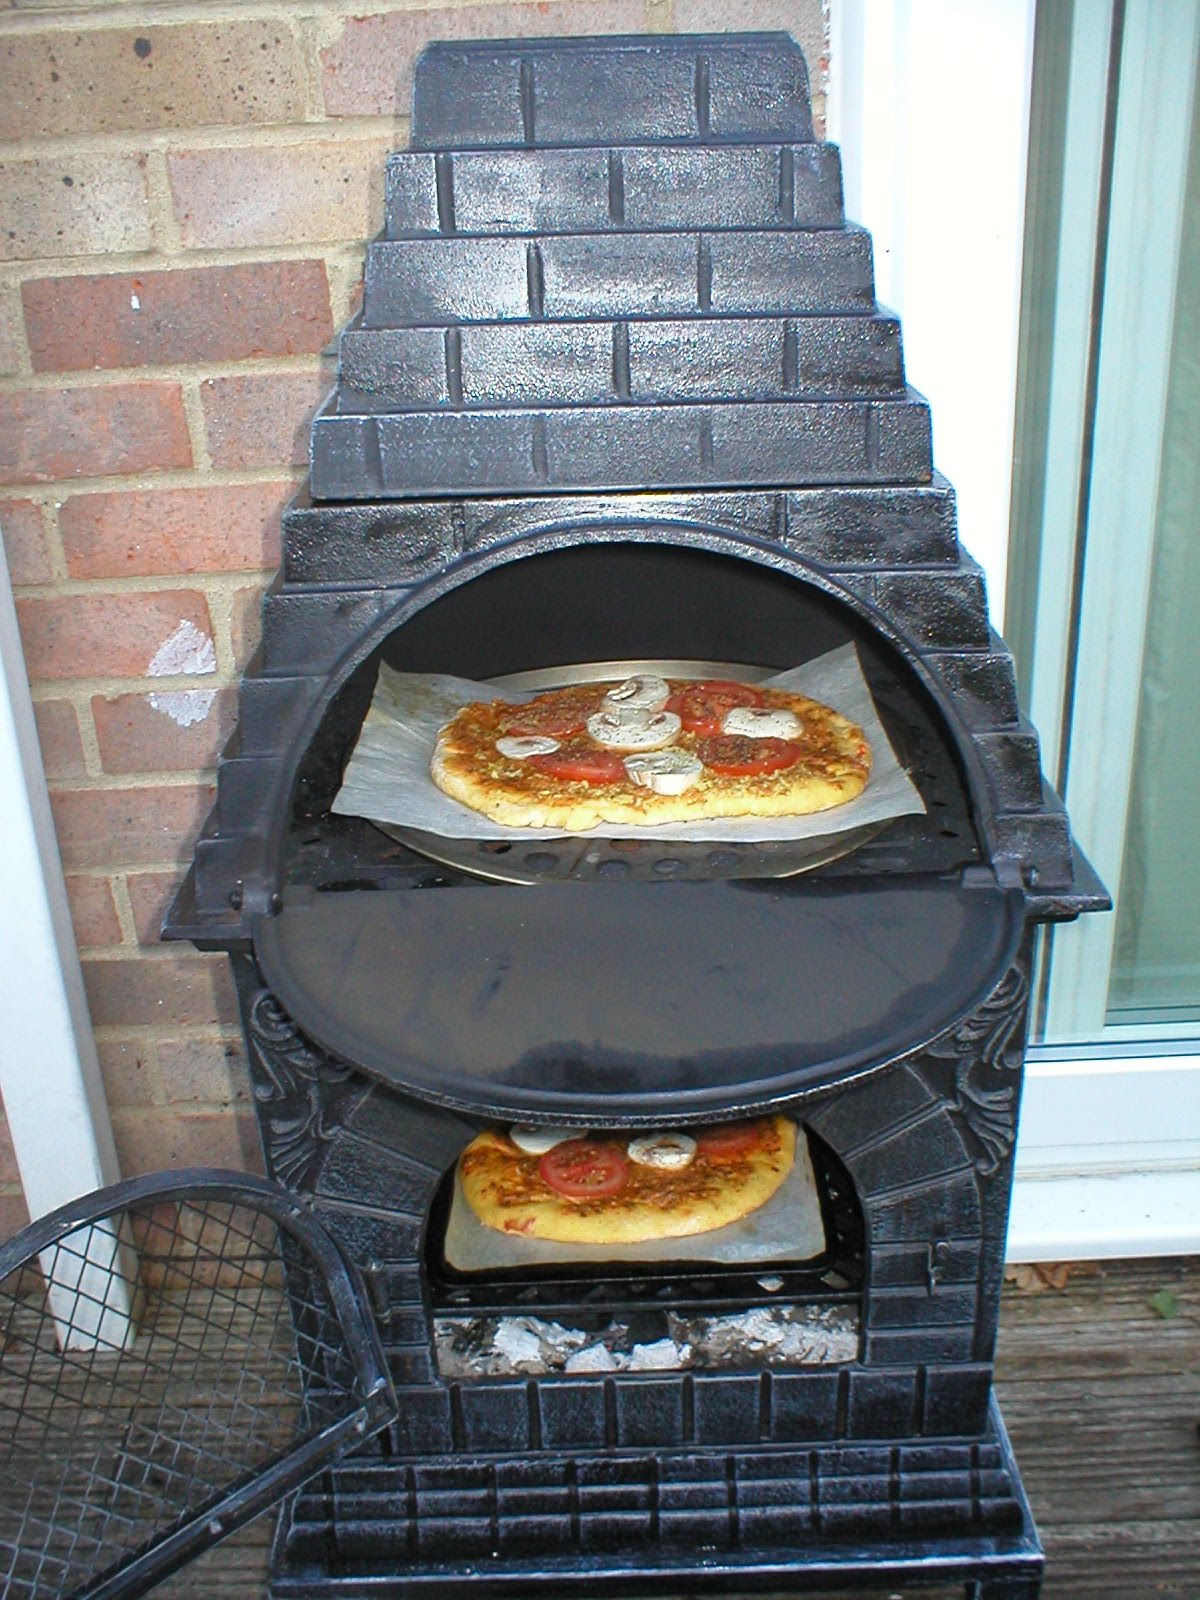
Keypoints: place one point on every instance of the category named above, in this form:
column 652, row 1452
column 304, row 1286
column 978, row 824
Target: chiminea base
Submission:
column 735, row 1522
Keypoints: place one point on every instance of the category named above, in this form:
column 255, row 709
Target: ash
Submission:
column 774, row 1335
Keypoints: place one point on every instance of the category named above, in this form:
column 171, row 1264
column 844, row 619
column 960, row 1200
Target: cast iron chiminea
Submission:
column 620, row 390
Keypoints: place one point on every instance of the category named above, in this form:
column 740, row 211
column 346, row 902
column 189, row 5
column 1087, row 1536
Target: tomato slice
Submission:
column 730, row 1138
column 701, row 707
column 558, row 714
column 585, row 1169
column 736, row 755
column 581, row 763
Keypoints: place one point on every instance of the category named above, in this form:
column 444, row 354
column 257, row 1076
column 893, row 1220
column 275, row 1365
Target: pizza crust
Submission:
column 467, row 766
column 506, row 1191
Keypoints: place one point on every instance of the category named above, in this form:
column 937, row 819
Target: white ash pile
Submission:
column 776, row 1335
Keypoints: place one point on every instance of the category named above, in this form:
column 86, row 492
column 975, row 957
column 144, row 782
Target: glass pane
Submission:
column 1155, row 974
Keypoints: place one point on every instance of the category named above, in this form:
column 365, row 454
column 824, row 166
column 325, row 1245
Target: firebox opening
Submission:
column 668, row 1313
column 620, row 602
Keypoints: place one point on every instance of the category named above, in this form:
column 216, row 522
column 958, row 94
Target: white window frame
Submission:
column 49, row 1071
column 930, row 102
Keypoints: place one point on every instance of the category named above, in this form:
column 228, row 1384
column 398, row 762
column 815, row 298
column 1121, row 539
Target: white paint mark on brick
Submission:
column 184, row 706
column 134, row 303
column 186, row 650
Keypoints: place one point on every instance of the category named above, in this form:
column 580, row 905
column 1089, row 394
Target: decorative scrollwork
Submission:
column 297, row 1091
column 988, row 1043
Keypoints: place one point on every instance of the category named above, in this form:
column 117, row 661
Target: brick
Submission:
column 367, row 71
column 25, row 542
column 173, row 730
column 58, row 735
column 93, row 910
column 102, row 80
column 14, row 1214
column 168, row 991
column 269, row 308
column 803, row 19
column 8, row 1158
column 151, row 894
column 140, row 533
column 262, row 420
column 150, row 1140
column 96, row 432
column 204, row 1071
column 73, row 205
column 129, row 1073
column 129, row 827
column 105, row 635
column 12, row 329
column 246, row 622
column 282, row 194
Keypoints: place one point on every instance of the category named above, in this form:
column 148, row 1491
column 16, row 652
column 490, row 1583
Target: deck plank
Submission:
column 1102, row 1399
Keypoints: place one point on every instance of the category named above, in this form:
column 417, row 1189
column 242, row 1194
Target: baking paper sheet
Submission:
column 387, row 779
column 787, row 1228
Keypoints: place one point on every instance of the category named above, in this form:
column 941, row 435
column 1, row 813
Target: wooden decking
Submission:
column 1101, row 1395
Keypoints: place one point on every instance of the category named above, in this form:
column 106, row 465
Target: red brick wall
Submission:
column 184, row 201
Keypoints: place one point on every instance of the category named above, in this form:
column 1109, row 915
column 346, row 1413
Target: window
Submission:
column 1095, row 575
column 1104, row 575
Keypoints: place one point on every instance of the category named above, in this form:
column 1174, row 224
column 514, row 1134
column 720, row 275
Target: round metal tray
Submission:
column 570, row 859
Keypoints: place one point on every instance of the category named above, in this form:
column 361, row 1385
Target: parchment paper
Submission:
column 787, row 1228
column 387, row 779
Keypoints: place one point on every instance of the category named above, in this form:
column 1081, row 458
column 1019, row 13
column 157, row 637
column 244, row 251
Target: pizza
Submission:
column 612, row 1188
column 650, row 750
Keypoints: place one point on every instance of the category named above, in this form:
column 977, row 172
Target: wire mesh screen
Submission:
column 168, row 1366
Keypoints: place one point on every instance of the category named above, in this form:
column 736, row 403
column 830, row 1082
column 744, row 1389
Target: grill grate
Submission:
column 169, row 1363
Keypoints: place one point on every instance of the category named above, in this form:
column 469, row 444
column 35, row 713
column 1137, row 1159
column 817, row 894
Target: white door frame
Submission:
column 49, row 1072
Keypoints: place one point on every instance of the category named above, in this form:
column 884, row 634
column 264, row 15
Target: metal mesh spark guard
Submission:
column 175, row 1353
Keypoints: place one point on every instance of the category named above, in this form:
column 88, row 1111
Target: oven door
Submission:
column 687, row 999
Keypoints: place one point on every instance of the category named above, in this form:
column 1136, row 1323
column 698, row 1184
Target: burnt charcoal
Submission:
column 644, row 1327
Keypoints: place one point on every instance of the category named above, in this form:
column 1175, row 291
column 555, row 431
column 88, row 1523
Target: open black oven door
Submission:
column 635, row 1002
column 177, row 1352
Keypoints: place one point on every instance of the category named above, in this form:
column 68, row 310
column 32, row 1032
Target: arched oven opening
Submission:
column 781, row 1290
column 624, row 603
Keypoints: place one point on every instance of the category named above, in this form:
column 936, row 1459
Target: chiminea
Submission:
column 620, row 393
